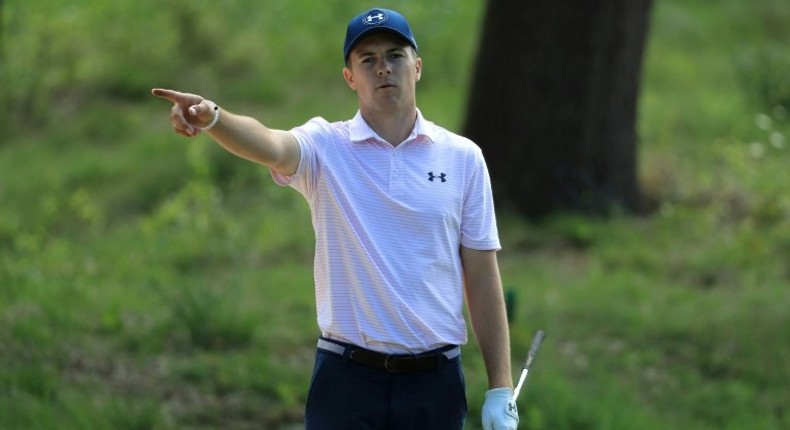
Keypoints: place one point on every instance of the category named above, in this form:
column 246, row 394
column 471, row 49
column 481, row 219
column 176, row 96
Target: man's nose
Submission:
column 385, row 68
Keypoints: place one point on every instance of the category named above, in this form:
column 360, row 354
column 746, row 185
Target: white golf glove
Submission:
column 499, row 410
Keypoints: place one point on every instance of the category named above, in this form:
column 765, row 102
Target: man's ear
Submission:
column 349, row 77
column 418, row 65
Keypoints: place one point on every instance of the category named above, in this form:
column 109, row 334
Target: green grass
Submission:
column 150, row 282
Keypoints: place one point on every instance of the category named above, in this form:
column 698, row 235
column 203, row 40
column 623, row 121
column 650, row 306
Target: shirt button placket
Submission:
column 395, row 172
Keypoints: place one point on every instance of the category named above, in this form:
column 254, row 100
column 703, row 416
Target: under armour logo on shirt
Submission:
column 441, row 176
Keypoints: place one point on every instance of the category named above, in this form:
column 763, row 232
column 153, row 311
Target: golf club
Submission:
column 533, row 350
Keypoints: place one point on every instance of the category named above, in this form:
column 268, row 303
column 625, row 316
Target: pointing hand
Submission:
column 190, row 113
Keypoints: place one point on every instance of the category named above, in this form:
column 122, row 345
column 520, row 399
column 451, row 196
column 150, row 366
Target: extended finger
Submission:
column 176, row 96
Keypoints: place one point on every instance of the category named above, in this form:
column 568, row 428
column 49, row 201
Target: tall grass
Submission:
column 153, row 282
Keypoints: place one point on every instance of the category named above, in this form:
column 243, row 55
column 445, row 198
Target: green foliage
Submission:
column 763, row 74
column 212, row 320
column 153, row 282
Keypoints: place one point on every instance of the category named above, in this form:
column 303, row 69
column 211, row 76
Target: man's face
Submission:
column 383, row 69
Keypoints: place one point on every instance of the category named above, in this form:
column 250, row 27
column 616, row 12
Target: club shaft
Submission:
column 521, row 380
column 533, row 351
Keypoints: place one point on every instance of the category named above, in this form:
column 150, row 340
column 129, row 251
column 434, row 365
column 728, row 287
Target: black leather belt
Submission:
column 393, row 363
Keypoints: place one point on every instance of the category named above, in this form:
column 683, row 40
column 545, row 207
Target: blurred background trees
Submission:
column 149, row 281
column 2, row 27
column 554, row 103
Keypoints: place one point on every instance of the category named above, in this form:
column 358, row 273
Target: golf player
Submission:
column 405, row 232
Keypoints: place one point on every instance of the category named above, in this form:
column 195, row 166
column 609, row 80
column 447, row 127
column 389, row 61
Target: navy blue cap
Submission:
column 373, row 21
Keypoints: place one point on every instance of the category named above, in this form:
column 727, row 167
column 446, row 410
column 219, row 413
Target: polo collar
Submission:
column 360, row 131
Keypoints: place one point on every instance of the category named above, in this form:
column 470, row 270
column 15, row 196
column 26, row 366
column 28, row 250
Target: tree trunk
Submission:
column 553, row 103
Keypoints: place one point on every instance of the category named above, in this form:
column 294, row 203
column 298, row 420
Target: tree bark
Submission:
column 553, row 103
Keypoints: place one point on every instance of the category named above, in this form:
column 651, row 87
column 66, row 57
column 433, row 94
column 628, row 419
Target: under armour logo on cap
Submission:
column 375, row 17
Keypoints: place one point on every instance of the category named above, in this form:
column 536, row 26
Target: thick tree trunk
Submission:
column 553, row 103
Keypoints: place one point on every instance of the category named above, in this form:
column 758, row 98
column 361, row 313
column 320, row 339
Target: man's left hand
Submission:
column 499, row 410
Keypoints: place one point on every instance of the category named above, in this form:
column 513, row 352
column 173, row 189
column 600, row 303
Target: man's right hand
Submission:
column 242, row 135
column 190, row 112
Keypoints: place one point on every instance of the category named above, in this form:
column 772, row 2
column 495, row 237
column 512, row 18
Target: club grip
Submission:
column 533, row 349
column 536, row 341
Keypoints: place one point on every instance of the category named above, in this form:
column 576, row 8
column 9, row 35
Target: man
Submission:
column 405, row 229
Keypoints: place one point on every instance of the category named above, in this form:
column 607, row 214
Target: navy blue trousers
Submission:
column 349, row 396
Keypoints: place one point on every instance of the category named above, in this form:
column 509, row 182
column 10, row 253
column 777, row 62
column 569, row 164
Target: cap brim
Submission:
column 374, row 30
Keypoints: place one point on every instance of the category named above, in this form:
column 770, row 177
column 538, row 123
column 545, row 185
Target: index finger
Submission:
column 173, row 96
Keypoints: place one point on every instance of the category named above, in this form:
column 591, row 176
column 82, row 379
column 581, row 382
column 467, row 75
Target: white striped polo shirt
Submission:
column 389, row 223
